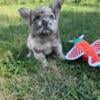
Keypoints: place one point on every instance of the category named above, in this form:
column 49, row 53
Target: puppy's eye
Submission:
column 37, row 17
column 52, row 16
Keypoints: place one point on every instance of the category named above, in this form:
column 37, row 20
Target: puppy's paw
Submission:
column 29, row 54
column 45, row 64
column 62, row 57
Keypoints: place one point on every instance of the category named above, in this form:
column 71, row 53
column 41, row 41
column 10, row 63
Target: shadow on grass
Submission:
column 73, row 24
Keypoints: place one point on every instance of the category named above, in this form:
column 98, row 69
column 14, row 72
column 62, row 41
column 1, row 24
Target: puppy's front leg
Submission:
column 41, row 58
column 29, row 54
column 58, row 51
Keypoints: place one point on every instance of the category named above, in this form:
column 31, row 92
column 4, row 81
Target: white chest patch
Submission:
column 32, row 43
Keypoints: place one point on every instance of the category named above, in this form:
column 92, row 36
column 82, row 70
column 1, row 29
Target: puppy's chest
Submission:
column 43, row 44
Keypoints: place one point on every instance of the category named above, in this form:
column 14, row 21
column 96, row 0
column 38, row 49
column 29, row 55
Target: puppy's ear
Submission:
column 26, row 14
column 56, row 6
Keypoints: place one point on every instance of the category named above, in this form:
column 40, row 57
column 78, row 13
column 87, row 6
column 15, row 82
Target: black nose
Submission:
column 44, row 22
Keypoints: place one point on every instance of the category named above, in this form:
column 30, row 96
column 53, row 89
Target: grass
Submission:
column 25, row 79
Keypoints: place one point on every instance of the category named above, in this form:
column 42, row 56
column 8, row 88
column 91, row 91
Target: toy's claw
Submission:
column 71, row 41
column 81, row 37
column 77, row 39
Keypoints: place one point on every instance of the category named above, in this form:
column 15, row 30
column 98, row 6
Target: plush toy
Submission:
column 90, row 53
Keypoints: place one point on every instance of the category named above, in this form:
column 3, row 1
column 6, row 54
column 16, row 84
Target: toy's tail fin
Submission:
column 96, row 46
column 93, row 63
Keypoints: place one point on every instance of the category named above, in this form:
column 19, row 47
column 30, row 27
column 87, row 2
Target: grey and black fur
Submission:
column 44, row 35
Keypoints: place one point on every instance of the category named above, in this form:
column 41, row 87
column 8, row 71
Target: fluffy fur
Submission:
column 44, row 35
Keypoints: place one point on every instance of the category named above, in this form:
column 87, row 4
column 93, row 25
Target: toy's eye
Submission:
column 52, row 16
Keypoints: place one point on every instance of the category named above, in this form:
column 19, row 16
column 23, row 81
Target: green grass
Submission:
column 25, row 79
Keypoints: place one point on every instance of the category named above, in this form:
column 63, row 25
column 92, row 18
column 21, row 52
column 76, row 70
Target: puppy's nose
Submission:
column 44, row 22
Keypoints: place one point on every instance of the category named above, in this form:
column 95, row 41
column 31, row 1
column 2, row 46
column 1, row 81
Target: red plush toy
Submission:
column 90, row 53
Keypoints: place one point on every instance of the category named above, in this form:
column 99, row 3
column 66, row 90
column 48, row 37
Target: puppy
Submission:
column 44, row 35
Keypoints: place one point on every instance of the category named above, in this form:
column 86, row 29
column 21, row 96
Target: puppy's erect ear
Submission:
column 56, row 6
column 26, row 14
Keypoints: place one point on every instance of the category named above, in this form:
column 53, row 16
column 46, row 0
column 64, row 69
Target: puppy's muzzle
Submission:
column 45, row 23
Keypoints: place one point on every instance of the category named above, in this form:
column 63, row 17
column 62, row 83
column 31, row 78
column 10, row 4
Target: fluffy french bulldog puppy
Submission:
column 44, row 35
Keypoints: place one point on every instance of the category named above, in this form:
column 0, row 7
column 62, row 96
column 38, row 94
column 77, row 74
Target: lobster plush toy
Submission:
column 82, row 48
